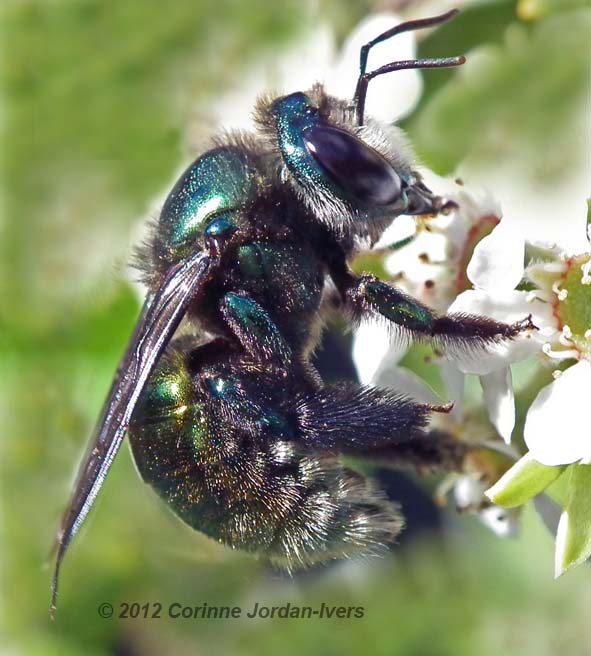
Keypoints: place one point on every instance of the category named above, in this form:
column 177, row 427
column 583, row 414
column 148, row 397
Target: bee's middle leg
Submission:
column 255, row 329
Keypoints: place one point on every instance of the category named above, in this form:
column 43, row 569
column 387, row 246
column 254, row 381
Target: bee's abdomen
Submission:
column 336, row 513
column 236, row 469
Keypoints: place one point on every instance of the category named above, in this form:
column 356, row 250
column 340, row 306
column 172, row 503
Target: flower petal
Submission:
column 497, row 389
column 469, row 496
column 371, row 347
column 497, row 261
column 557, row 427
column 503, row 522
column 468, row 492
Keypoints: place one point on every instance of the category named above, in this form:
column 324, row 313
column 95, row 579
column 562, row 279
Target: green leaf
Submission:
column 573, row 539
column 509, row 100
column 523, row 481
column 421, row 360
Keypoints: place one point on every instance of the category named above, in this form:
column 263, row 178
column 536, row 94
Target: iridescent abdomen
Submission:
column 221, row 443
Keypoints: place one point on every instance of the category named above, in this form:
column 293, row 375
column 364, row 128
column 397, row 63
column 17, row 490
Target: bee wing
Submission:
column 160, row 317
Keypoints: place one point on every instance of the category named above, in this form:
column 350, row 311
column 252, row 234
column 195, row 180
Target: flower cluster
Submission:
column 472, row 261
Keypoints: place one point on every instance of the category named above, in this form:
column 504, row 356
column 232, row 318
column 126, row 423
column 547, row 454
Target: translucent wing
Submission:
column 160, row 317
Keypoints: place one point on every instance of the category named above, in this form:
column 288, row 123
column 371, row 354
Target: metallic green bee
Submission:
column 234, row 428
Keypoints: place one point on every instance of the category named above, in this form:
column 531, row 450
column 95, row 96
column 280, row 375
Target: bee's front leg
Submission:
column 367, row 295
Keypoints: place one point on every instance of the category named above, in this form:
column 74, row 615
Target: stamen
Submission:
column 538, row 295
column 556, row 374
column 561, row 293
column 559, row 355
column 586, row 268
column 566, row 336
column 559, row 266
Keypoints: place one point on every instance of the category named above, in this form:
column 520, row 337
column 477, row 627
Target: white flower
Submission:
column 433, row 267
column 495, row 269
column 377, row 361
column 557, row 429
column 469, row 496
column 558, row 424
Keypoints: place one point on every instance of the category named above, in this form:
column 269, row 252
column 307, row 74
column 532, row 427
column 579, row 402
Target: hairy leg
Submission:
column 366, row 296
column 255, row 330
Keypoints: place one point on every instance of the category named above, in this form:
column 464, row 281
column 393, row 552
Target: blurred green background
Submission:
column 97, row 98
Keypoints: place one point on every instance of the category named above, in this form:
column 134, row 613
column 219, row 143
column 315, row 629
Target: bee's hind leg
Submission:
column 377, row 425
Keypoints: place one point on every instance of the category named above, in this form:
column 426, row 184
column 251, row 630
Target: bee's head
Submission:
column 355, row 174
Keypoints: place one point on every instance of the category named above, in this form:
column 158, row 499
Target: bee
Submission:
column 229, row 422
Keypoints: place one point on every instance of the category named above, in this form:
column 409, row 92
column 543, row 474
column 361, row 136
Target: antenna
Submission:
column 365, row 78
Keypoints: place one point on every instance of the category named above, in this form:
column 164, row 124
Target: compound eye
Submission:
column 357, row 169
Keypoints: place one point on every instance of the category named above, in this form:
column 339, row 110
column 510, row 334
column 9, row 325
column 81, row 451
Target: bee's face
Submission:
column 350, row 176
